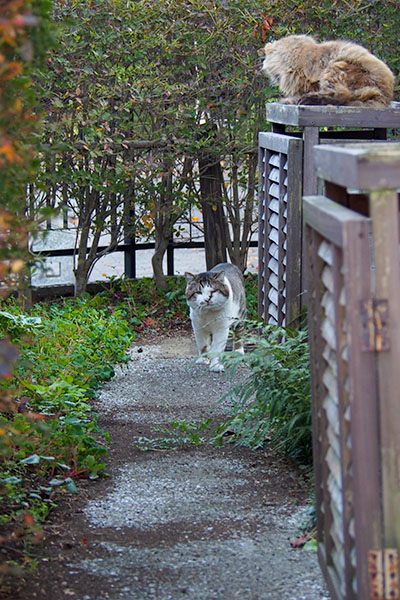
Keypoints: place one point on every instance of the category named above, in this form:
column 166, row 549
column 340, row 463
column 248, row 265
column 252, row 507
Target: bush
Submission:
column 51, row 436
column 274, row 402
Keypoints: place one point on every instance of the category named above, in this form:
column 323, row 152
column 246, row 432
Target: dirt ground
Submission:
column 197, row 523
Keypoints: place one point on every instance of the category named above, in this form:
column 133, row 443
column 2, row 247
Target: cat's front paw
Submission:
column 217, row 368
column 202, row 360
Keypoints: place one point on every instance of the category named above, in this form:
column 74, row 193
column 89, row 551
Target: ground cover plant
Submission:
column 274, row 401
column 66, row 350
column 148, row 307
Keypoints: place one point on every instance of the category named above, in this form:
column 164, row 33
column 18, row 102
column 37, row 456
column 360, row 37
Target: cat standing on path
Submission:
column 217, row 302
column 336, row 72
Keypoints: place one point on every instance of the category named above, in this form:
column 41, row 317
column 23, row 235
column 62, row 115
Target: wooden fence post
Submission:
column 372, row 293
column 384, row 210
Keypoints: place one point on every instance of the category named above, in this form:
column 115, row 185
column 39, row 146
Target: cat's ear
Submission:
column 220, row 275
column 189, row 277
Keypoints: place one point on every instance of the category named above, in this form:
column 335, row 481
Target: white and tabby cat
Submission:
column 217, row 303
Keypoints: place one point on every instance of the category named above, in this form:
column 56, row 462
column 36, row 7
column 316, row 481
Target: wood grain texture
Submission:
column 334, row 116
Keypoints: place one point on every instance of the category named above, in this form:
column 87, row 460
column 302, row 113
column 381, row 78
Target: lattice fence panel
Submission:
column 334, row 237
column 335, row 404
column 279, row 228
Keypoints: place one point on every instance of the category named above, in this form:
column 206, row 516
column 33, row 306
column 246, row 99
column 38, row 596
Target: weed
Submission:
column 274, row 402
column 176, row 434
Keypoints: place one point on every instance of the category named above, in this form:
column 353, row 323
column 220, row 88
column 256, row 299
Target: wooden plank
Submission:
column 274, row 160
column 294, row 233
column 360, row 166
column 273, row 175
column 327, row 217
column 363, row 398
column 334, row 116
column 273, row 190
column 263, row 158
column 274, row 142
column 313, row 266
column 282, row 239
column 344, row 424
column 310, row 139
column 330, row 574
column 384, row 210
column 319, row 416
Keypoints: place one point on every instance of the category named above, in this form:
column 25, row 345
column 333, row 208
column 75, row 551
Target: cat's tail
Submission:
column 366, row 96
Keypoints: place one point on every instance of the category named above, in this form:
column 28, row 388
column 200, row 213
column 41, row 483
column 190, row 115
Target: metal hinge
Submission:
column 383, row 571
column 375, row 319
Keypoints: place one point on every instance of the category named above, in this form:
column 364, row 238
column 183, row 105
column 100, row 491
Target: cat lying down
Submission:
column 217, row 302
column 336, row 72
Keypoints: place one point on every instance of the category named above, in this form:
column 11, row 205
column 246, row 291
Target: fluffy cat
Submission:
column 217, row 302
column 335, row 72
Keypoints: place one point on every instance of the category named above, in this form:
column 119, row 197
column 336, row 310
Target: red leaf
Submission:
column 148, row 321
column 29, row 520
column 299, row 543
column 266, row 26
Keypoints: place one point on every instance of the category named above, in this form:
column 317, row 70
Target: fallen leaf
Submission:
column 299, row 543
column 266, row 26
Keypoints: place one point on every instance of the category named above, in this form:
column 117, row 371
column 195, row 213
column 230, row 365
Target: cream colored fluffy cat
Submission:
column 336, row 72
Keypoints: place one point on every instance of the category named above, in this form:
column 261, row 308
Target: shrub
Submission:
column 65, row 352
column 274, row 402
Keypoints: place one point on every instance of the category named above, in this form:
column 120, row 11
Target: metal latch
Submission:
column 383, row 571
column 375, row 319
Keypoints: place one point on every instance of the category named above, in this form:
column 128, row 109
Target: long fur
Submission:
column 335, row 72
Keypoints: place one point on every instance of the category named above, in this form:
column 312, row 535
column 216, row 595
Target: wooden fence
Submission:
column 353, row 276
column 287, row 171
column 279, row 228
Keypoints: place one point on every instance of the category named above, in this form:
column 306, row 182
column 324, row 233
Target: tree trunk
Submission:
column 240, row 214
column 213, row 213
column 157, row 263
column 80, row 281
column 163, row 226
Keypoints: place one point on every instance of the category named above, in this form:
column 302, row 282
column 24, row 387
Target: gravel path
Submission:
column 198, row 523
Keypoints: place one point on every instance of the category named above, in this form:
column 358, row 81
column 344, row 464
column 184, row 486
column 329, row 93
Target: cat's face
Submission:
column 206, row 291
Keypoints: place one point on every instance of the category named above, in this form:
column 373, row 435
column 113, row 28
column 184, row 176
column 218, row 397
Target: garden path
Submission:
column 198, row 523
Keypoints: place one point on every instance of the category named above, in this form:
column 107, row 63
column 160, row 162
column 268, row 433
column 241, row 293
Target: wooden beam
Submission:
column 384, row 210
column 334, row 116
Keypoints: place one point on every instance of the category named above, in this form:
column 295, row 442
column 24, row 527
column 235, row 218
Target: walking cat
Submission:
column 335, row 72
column 217, row 302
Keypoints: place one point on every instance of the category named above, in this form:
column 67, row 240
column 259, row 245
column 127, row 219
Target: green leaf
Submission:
column 56, row 482
column 34, row 459
column 311, row 545
column 70, row 485
column 11, row 480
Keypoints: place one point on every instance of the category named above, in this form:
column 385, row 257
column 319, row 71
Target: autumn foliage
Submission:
column 23, row 27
